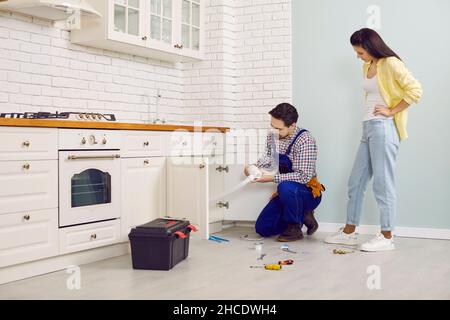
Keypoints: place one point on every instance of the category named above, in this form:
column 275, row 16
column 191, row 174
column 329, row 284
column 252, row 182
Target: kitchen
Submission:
column 115, row 113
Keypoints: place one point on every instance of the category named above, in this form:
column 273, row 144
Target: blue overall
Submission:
column 293, row 200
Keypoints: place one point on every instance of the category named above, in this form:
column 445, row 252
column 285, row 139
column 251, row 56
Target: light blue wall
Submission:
column 329, row 96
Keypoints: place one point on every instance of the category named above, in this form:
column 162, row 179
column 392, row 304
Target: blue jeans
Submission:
column 376, row 158
column 293, row 200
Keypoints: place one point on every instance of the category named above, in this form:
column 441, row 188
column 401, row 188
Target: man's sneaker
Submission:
column 342, row 238
column 292, row 233
column 379, row 243
column 310, row 222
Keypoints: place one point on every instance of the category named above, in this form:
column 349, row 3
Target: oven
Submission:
column 89, row 176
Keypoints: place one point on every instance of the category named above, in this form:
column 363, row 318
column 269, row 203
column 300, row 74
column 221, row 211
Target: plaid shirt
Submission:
column 303, row 156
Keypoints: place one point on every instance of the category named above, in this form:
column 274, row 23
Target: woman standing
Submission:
column 390, row 89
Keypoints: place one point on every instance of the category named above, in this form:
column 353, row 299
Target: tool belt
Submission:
column 316, row 187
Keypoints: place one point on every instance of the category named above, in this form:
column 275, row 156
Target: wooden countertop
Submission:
column 48, row 123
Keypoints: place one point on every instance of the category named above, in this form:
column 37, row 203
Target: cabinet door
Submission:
column 190, row 27
column 245, row 204
column 127, row 21
column 28, row 185
column 143, row 191
column 160, row 24
column 28, row 235
column 217, row 205
column 188, row 191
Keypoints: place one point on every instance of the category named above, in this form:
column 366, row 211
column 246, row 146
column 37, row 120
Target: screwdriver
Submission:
column 269, row 267
column 286, row 262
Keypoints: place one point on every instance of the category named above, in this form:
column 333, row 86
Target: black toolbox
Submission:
column 160, row 244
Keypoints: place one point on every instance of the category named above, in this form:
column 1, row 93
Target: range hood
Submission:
column 49, row 9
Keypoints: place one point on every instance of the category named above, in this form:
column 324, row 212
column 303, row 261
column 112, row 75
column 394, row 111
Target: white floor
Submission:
column 418, row 269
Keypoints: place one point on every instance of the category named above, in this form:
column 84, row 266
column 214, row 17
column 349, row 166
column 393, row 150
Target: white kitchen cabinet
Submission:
column 143, row 191
column 28, row 185
column 143, row 144
column 170, row 30
column 19, row 143
column 28, row 235
column 188, row 191
column 88, row 236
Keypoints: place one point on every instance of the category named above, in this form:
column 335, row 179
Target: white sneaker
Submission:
column 343, row 238
column 379, row 243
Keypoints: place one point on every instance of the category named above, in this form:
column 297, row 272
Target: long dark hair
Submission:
column 371, row 41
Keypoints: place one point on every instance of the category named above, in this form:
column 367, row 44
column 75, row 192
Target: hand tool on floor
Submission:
column 342, row 251
column 219, row 238
column 269, row 267
column 286, row 262
column 248, row 238
column 215, row 240
column 285, row 248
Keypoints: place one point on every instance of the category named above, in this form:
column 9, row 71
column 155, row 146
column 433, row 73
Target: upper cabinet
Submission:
column 169, row 30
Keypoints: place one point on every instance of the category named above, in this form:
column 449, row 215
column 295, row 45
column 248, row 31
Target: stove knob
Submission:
column 83, row 141
column 104, row 141
column 92, row 139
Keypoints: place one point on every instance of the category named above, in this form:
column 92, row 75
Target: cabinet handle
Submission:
column 178, row 46
column 26, row 217
column 146, row 162
column 146, row 143
column 93, row 236
column 26, row 166
column 83, row 141
column 144, row 38
column 104, row 141
column 223, row 204
column 26, row 143
column 202, row 166
column 221, row 168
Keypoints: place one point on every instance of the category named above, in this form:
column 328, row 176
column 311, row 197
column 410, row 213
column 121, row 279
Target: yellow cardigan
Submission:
column 396, row 84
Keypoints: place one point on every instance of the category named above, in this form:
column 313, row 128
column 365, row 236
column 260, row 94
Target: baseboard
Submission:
column 407, row 232
column 40, row 267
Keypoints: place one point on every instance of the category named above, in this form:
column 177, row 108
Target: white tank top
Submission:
column 373, row 98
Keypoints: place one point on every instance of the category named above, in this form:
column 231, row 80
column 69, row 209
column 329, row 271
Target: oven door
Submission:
column 89, row 186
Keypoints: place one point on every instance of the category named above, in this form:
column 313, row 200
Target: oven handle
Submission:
column 109, row 157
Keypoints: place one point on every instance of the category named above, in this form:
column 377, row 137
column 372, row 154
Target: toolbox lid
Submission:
column 161, row 227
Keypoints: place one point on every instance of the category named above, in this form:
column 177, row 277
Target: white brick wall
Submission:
column 40, row 70
column 247, row 70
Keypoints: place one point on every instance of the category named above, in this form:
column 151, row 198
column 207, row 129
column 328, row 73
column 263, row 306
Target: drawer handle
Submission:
column 26, row 166
column 93, row 236
column 146, row 162
column 144, row 38
column 104, row 141
column 146, row 143
column 26, row 217
column 26, row 143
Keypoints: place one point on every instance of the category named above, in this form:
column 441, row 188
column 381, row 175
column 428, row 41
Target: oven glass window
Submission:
column 91, row 187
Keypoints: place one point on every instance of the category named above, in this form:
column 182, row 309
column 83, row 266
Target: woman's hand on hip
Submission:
column 382, row 111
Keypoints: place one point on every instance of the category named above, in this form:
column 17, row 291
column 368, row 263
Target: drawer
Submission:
column 89, row 236
column 143, row 144
column 28, row 185
column 28, row 235
column 213, row 144
column 182, row 144
column 28, row 143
